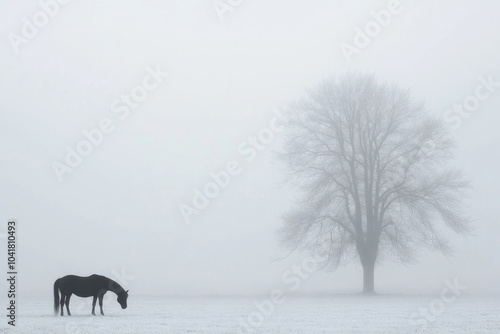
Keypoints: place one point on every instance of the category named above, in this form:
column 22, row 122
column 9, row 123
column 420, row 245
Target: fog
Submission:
column 230, row 73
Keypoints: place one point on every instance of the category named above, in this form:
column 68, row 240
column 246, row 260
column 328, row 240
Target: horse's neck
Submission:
column 115, row 287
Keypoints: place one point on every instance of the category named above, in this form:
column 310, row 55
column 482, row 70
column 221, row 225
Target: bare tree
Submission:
column 374, row 175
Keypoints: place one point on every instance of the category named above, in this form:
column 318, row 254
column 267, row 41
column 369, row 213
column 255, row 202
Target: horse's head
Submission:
column 122, row 299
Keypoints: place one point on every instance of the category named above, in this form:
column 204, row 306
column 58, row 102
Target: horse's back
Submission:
column 81, row 286
column 76, row 278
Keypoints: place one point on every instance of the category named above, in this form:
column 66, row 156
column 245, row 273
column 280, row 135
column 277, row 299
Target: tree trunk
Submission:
column 368, row 277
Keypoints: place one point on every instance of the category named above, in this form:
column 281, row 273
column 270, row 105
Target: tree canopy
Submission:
column 374, row 172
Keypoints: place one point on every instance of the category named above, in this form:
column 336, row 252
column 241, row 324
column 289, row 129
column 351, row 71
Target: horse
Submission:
column 92, row 286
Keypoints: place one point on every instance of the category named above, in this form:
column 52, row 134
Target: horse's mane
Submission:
column 115, row 287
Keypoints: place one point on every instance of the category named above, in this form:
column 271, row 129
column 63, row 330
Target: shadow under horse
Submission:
column 92, row 286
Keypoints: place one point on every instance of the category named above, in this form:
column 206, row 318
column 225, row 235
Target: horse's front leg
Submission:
column 93, row 305
column 100, row 302
column 67, row 303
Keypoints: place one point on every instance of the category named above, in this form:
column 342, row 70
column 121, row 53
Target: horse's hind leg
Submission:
column 93, row 305
column 62, row 303
column 67, row 303
column 100, row 303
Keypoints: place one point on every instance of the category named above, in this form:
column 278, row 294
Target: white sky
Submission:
column 119, row 208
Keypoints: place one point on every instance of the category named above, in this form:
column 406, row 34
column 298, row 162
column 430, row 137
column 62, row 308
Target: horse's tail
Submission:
column 56, row 297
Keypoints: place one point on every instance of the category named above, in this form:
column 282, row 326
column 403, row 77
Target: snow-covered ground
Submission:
column 332, row 314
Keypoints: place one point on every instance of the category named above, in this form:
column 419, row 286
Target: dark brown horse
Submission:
column 93, row 286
